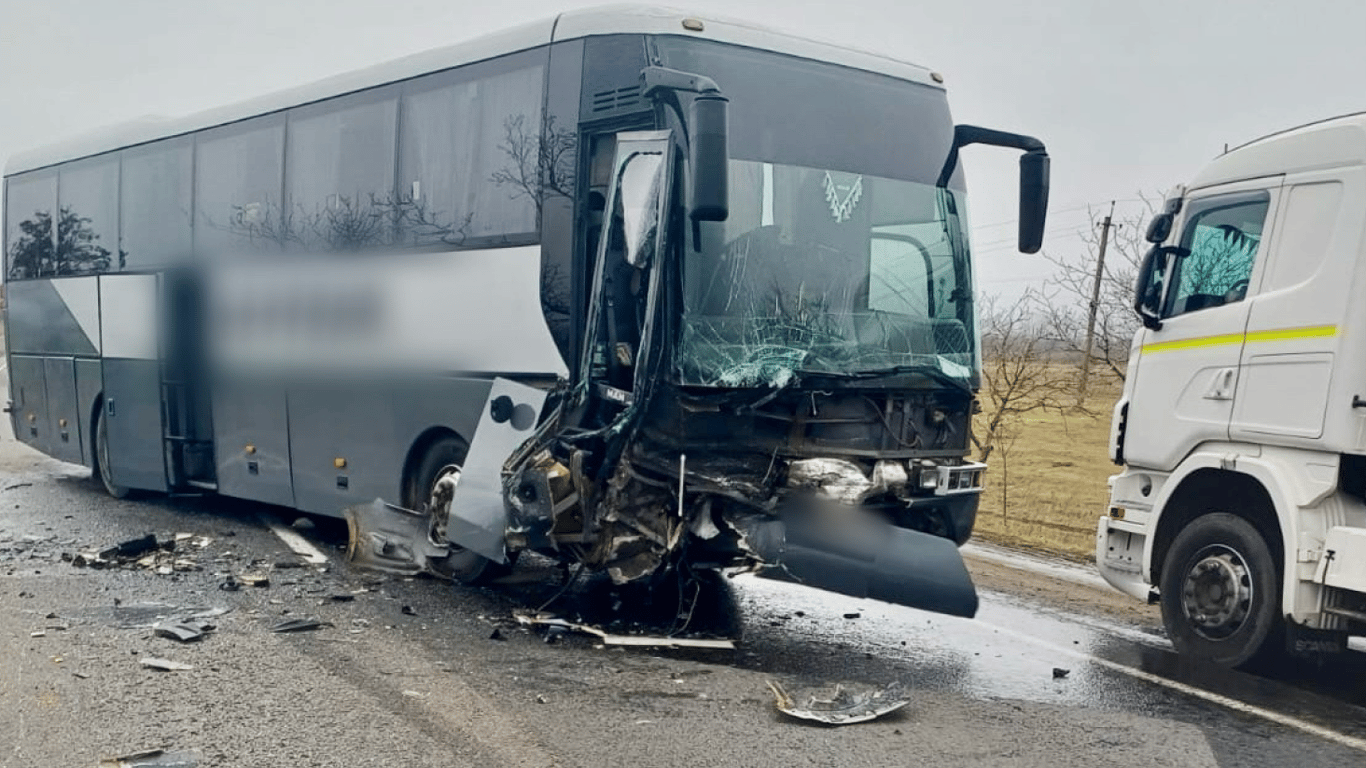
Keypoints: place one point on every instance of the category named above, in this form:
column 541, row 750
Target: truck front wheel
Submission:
column 1221, row 593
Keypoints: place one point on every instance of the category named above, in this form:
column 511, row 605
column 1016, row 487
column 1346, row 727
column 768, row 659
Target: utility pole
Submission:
column 1095, row 304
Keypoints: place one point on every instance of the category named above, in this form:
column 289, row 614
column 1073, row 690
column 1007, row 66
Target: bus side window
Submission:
column 1223, row 235
column 239, row 174
column 87, row 217
column 339, row 172
column 154, row 204
column 472, row 162
column 30, row 200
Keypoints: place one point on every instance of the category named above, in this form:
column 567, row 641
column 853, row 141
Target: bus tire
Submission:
column 101, row 457
column 1220, row 593
column 446, row 454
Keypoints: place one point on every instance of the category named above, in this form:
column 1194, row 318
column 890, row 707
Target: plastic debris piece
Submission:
column 556, row 627
column 408, row 610
column 187, row 630
column 844, row 708
column 343, row 597
column 159, row 758
column 131, row 548
column 1059, row 673
column 253, row 579
column 300, row 625
column 38, row 633
column 165, row 665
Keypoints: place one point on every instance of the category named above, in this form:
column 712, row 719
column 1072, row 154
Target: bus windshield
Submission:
column 824, row 271
column 840, row 255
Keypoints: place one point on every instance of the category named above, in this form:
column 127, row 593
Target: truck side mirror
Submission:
column 1159, row 228
column 1149, row 289
column 1034, row 172
column 709, row 153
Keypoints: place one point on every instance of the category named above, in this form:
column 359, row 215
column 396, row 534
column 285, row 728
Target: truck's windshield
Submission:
column 840, row 255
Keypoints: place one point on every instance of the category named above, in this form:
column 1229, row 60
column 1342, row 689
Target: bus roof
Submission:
column 605, row 20
column 1332, row 143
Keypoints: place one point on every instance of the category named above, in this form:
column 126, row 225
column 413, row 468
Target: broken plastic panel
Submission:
column 860, row 556
column 843, row 708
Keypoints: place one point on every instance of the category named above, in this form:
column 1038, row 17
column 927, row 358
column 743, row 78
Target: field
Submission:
column 1054, row 476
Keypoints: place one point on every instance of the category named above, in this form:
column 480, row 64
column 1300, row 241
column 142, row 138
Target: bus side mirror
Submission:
column 709, row 153
column 1034, row 172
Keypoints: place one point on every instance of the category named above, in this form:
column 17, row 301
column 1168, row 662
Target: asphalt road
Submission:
column 409, row 671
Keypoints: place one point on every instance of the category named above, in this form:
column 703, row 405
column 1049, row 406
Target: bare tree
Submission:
column 1066, row 296
column 1019, row 371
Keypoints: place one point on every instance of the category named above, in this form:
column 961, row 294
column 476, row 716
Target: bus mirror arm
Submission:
column 1034, row 175
column 707, row 129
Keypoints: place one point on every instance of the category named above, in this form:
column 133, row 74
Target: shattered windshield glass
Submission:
column 827, row 272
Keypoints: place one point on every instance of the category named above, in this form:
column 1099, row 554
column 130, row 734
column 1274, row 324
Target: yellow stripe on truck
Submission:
column 1281, row 334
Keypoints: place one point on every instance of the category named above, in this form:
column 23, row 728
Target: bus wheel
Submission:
column 435, row 479
column 1220, row 592
column 102, row 458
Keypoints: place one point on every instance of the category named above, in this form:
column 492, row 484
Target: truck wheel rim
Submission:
column 1217, row 592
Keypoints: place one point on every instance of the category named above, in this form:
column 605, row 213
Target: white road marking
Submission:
column 1053, row 568
column 1190, row 690
column 294, row 541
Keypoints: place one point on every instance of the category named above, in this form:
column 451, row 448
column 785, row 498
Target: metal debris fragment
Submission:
column 165, row 665
column 183, row 630
column 843, row 708
column 159, row 758
column 557, row 626
column 300, row 625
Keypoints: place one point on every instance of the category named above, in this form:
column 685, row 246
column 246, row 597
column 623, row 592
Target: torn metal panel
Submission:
column 390, row 538
column 478, row 515
column 843, row 708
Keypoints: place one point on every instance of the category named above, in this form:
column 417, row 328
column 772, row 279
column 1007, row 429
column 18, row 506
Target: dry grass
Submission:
column 1055, row 480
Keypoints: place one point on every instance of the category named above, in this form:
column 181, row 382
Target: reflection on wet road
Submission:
column 1011, row 649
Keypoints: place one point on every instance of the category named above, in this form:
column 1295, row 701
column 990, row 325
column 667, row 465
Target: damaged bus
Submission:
column 629, row 288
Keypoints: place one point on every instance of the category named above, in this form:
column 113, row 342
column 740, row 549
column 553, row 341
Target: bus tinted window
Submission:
column 339, row 173
column 238, row 176
column 154, row 208
column 470, row 157
column 30, row 200
column 88, row 223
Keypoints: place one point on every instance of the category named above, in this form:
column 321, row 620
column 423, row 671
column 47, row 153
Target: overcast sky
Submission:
column 1129, row 96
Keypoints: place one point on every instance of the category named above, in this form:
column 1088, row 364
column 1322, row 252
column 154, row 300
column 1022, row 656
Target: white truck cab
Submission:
column 1241, row 506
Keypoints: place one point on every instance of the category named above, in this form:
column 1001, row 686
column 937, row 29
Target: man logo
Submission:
column 842, row 195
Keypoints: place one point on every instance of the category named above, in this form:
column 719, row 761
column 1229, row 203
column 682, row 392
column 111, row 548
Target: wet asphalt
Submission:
column 417, row 672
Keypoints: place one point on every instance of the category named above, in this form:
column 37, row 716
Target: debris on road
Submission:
column 185, row 631
column 252, row 579
column 165, row 665
column 300, row 625
column 130, row 548
column 844, row 708
column 556, row 626
column 852, row 615
column 408, row 610
column 1060, row 673
column 159, row 758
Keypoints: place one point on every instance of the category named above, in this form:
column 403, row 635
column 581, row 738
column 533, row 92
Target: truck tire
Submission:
column 101, row 458
column 1221, row 593
column 442, row 458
